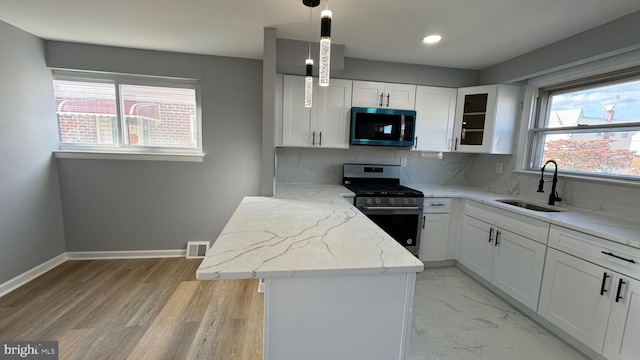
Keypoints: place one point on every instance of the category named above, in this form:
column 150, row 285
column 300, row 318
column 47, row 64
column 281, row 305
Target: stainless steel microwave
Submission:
column 386, row 127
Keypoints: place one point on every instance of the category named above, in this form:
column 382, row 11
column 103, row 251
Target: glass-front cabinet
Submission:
column 473, row 119
column 486, row 118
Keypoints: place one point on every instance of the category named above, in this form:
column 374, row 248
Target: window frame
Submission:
column 122, row 150
column 540, row 113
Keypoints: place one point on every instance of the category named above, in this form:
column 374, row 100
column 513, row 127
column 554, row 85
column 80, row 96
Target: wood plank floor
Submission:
column 136, row 309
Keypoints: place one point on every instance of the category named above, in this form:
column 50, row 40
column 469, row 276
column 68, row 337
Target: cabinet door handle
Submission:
column 618, row 257
column 497, row 238
column 424, row 220
column 313, row 142
column 455, row 147
column 381, row 98
column 415, row 146
column 604, row 283
column 618, row 296
column 490, row 234
column 388, row 96
column 320, row 142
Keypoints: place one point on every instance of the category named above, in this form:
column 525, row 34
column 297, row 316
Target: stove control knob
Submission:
column 369, row 201
column 392, row 201
column 405, row 201
column 377, row 201
column 413, row 201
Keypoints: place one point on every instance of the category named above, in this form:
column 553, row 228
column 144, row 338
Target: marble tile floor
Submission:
column 456, row 318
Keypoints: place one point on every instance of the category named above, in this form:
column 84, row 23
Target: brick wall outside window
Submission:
column 173, row 129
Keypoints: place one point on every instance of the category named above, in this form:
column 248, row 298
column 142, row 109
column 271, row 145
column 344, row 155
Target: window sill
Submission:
column 101, row 155
column 602, row 180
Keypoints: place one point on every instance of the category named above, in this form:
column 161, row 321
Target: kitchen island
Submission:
column 336, row 285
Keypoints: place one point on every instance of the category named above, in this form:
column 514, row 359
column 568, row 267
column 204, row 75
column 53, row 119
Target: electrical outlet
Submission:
column 499, row 168
column 403, row 162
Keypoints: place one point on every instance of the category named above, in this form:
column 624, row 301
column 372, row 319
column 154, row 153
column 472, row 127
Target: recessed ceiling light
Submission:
column 431, row 39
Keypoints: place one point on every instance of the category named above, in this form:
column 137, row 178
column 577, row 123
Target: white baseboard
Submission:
column 134, row 254
column 29, row 275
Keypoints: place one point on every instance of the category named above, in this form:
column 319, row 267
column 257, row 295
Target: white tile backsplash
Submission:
column 324, row 166
column 610, row 198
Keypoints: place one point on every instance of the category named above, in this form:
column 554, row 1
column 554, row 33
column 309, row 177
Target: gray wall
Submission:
column 362, row 69
column 31, row 230
column 111, row 205
column 613, row 38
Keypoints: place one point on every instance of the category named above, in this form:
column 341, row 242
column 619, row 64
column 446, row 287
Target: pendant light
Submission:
column 308, row 79
column 308, row 84
column 325, row 46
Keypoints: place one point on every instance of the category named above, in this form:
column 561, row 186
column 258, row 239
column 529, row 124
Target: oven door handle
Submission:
column 387, row 208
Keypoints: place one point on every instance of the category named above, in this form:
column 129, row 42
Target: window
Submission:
column 97, row 113
column 591, row 127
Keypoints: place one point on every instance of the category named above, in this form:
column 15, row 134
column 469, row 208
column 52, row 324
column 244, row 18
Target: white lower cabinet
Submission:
column 597, row 306
column 433, row 239
column 570, row 298
column 590, row 288
column 476, row 246
column 623, row 331
column 517, row 267
column 435, row 229
column 511, row 262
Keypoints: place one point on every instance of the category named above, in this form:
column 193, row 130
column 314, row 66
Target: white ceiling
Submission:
column 476, row 33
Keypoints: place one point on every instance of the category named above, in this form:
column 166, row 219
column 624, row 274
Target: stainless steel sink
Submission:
column 526, row 205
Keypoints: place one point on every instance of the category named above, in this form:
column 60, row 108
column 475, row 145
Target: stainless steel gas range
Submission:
column 397, row 209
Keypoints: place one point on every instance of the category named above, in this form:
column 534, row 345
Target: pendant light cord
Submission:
column 310, row 16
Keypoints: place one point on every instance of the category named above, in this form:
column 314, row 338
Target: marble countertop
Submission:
column 620, row 230
column 305, row 230
column 309, row 230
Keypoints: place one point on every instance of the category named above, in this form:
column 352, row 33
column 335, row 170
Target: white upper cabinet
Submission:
column 384, row 95
column 325, row 124
column 435, row 115
column 485, row 119
column 297, row 127
column 334, row 114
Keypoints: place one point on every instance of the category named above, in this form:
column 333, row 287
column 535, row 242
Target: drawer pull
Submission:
column 620, row 283
column 436, row 204
column 604, row 283
column 619, row 257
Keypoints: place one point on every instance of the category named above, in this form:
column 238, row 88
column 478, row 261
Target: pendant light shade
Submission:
column 308, row 84
column 325, row 47
column 308, row 79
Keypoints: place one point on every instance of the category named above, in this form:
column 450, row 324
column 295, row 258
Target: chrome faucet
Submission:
column 553, row 197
